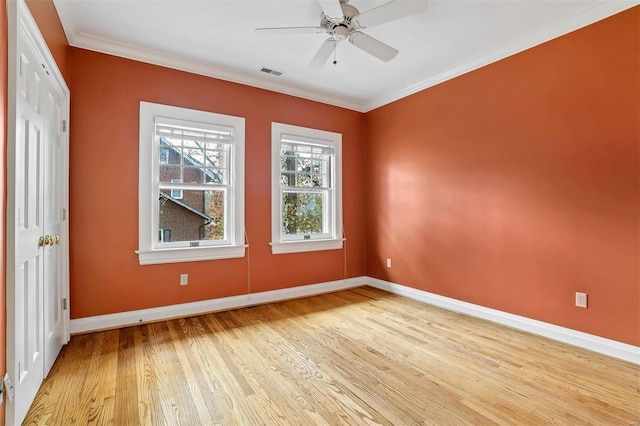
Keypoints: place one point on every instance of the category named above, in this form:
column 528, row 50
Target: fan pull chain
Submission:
column 335, row 61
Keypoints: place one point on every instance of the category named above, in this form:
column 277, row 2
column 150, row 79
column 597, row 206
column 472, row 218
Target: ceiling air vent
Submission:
column 269, row 71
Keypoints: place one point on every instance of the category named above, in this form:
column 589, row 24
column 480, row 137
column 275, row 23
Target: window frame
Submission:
column 281, row 244
column 148, row 188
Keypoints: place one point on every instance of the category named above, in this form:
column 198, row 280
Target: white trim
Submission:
column 566, row 335
column 306, row 246
column 123, row 319
column 597, row 12
column 148, row 184
column 331, row 139
column 576, row 338
column 188, row 254
column 123, row 50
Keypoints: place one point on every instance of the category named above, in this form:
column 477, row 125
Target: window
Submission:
column 306, row 206
column 191, row 185
column 175, row 193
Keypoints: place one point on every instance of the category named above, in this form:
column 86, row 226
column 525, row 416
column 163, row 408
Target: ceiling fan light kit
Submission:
column 344, row 22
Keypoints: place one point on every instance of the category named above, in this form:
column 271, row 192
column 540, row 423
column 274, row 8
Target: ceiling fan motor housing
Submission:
column 341, row 30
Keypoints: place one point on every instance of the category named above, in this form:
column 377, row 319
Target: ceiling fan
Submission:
column 343, row 21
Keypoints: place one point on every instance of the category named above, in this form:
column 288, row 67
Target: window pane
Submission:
column 216, row 156
column 199, row 215
column 194, row 155
column 216, row 176
column 193, row 175
column 173, row 151
column 170, row 173
column 303, row 164
column 302, row 213
column 164, row 155
column 288, row 179
column 304, row 180
column 287, row 161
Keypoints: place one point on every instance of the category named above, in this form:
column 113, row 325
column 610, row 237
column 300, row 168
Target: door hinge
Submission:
column 64, row 214
column 20, row 66
column 64, row 125
column 64, row 304
column 11, row 393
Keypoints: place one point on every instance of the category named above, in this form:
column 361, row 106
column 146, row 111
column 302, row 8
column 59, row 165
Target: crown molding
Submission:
column 83, row 41
column 590, row 15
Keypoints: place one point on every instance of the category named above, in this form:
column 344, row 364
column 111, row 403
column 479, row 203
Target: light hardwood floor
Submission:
column 361, row 356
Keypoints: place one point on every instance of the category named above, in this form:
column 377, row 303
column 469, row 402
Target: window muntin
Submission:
column 306, row 189
column 192, row 190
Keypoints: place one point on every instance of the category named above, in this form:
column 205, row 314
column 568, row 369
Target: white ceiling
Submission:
column 217, row 38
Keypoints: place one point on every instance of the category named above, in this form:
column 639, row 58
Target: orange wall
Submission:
column 516, row 185
column 105, row 274
column 46, row 16
column 4, row 65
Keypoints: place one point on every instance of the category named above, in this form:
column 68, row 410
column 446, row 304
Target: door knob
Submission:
column 48, row 240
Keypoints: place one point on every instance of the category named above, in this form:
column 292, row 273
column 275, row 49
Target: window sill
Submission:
column 284, row 247
column 187, row 254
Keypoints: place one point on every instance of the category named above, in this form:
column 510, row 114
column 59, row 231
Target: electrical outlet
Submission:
column 388, row 263
column 581, row 300
column 184, row 279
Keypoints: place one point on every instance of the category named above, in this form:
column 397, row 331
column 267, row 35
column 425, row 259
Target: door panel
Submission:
column 29, row 337
column 53, row 319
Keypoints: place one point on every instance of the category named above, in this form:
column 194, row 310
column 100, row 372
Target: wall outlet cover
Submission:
column 581, row 299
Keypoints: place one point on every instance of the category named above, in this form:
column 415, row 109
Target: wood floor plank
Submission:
column 126, row 403
column 355, row 357
column 150, row 411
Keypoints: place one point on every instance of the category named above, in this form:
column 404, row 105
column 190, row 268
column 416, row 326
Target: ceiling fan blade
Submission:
column 391, row 11
column 373, row 46
column 332, row 9
column 322, row 54
column 288, row 30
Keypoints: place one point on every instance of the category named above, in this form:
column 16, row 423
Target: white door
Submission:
column 37, row 282
column 29, row 227
column 53, row 277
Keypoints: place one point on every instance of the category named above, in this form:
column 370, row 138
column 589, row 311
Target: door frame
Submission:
column 19, row 18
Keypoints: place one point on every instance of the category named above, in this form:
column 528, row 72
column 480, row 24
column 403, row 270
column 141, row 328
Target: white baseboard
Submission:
column 576, row 338
column 123, row 319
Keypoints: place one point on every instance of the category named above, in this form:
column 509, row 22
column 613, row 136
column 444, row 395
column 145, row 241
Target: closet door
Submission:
column 54, row 296
column 37, row 260
column 28, row 295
